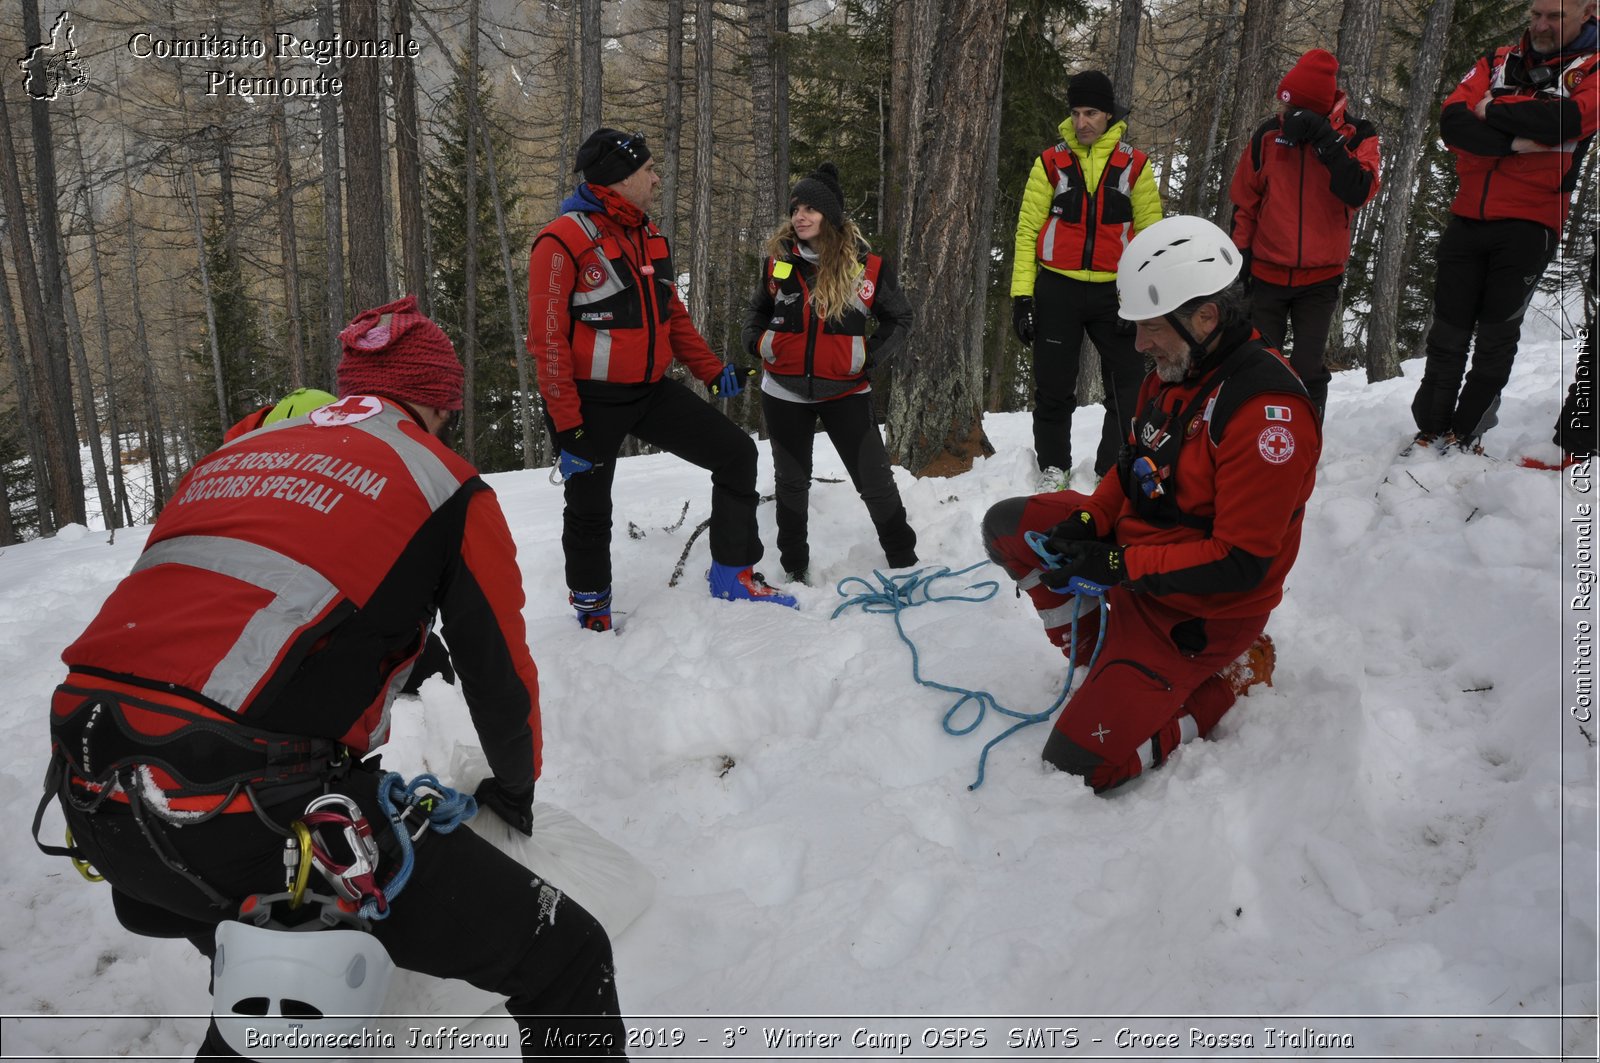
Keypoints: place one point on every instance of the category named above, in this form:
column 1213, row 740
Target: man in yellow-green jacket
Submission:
column 1085, row 199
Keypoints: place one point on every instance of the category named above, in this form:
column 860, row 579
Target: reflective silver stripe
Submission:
column 1047, row 246
column 768, row 355
column 432, row 477
column 600, row 367
column 858, row 353
column 1031, row 580
column 300, row 593
column 1062, row 614
column 613, row 283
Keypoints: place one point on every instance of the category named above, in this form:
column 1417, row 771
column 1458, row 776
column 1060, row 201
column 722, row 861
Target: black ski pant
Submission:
column 468, row 911
column 1274, row 308
column 667, row 415
column 1488, row 271
column 1064, row 309
column 851, row 425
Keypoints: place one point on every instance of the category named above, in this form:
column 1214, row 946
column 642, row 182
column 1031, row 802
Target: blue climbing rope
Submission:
column 896, row 594
column 445, row 807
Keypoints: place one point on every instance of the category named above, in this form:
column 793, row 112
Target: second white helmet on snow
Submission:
column 1175, row 260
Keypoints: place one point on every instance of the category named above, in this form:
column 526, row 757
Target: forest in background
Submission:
column 173, row 259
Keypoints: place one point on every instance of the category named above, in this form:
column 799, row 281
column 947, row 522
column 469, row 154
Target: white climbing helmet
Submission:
column 1175, row 260
column 278, row 992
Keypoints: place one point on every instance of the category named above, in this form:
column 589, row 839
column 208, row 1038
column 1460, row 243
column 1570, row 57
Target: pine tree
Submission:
column 499, row 442
column 254, row 372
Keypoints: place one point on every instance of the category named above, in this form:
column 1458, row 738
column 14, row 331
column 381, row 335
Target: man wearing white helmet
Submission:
column 1190, row 542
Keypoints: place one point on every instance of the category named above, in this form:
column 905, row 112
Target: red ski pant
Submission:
column 1157, row 664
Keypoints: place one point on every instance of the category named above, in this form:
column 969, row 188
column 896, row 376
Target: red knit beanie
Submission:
column 397, row 352
column 1312, row 83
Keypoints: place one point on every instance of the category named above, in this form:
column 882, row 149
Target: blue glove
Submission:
column 571, row 462
column 1088, row 567
column 730, row 381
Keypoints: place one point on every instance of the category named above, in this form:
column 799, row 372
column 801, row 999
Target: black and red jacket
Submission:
column 1235, row 446
column 1553, row 100
column 1088, row 227
column 289, row 585
column 603, row 306
column 1293, row 206
column 824, row 358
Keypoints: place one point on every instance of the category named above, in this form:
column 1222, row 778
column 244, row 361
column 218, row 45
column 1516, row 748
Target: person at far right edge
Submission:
column 1295, row 192
column 1519, row 123
column 1190, row 541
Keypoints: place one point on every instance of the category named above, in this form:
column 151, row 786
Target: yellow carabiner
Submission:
column 303, row 872
column 85, row 868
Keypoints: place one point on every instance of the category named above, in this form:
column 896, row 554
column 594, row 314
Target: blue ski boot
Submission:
column 743, row 584
column 593, row 608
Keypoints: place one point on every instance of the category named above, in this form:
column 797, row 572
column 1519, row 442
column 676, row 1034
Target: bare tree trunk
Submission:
column 672, row 124
column 205, row 297
column 1263, row 24
column 364, row 164
column 1128, row 15
column 122, row 513
column 56, row 457
column 408, row 154
column 469, row 298
column 156, row 443
column 700, row 208
column 514, row 300
column 332, row 209
column 1358, row 41
column 68, row 492
column 780, row 95
column 763, row 133
column 947, row 54
column 1389, row 269
column 288, row 245
column 91, row 416
column 593, row 74
column 8, row 533
column 31, row 426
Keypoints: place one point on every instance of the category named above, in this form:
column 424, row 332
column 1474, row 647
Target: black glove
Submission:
column 1305, row 127
column 513, row 806
column 434, row 660
column 1087, row 567
column 1075, row 529
column 1246, row 278
column 1022, row 318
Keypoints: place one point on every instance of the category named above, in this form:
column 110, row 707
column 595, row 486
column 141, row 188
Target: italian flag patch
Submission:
column 1277, row 413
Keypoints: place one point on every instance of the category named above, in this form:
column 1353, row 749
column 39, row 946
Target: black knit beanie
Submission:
column 610, row 156
column 1091, row 88
column 820, row 191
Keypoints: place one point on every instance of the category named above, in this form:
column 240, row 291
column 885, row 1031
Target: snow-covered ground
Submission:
column 1404, row 827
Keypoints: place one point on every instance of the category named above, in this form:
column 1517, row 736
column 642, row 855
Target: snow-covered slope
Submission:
column 1403, row 826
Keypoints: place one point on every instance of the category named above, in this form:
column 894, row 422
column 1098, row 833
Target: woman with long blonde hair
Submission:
column 826, row 313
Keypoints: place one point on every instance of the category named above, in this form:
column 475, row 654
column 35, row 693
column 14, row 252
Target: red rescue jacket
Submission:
column 1235, row 447
column 1088, row 227
column 1292, row 210
column 290, row 584
column 602, row 305
column 797, row 342
column 1553, row 100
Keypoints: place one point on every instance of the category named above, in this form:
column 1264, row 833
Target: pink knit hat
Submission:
column 397, row 352
column 1312, row 83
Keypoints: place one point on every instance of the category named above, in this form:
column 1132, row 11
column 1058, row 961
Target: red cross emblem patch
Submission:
column 347, row 411
column 1276, row 444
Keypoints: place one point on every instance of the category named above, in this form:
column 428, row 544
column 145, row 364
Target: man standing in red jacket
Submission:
column 605, row 324
column 1296, row 189
column 1191, row 541
column 1519, row 123
column 253, row 656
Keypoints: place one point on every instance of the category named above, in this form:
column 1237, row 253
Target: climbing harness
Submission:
column 439, row 807
column 895, row 594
